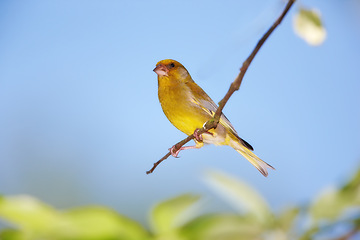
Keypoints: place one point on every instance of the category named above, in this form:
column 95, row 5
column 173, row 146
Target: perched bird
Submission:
column 188, row 108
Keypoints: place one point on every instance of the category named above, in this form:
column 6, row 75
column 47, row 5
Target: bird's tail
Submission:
column 252, row 158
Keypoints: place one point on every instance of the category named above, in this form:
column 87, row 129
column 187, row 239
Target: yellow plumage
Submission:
column 188, row 108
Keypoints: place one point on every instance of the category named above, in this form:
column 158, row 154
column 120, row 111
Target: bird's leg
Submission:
column 176, row 153
column 199, row 144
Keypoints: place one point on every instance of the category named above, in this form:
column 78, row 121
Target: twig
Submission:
column 348, row 235
column 212, row 123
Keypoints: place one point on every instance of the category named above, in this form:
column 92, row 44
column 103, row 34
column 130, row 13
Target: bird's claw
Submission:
column 173, row 153
column 198, row 136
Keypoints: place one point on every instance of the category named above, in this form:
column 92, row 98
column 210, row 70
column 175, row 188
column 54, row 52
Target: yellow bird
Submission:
column 188, row 108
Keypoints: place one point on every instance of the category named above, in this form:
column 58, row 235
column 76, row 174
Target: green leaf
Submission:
column 222, row 227
column 327, row 205
column 285, row 220
column 331, row 203
column 29, row 214
column 11, row 234
column 169, row 215
column 308, row 234
column 240, row 195
column 308, row 25
column 100, row 223
column 35, row 220
column 353, row 186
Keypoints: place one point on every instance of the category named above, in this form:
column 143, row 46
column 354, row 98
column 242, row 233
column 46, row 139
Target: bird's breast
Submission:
column 182, row 112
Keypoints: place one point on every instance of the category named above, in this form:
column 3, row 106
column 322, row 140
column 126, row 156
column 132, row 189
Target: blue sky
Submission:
column 81, row 123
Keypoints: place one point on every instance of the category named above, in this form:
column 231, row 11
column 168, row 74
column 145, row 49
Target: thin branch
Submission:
column 348, row 235
column 212, row 123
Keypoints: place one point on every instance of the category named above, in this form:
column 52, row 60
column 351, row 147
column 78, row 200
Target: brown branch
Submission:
column 348, row 235
column 212, row 123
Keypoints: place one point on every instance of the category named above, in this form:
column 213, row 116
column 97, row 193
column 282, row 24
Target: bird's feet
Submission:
column 176, row 153
column 198, row 137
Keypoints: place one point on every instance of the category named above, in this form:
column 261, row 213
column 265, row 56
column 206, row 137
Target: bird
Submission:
column 188, row 108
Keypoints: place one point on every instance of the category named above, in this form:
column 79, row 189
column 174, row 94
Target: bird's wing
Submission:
column 200, row 98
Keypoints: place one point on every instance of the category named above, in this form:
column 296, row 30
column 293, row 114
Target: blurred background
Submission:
column 81, row 123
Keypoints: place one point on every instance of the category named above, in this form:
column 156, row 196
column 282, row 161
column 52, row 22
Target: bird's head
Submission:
column 171, row 69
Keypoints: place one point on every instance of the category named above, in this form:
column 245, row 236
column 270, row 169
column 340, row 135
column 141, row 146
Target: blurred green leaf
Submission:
column 174, row 219
column 308, row 25
column 222, row 227
column 331, row 204
column 169, row 215
column 100, row 223
column 285, row 220
column 308, row 234
column 328, row 205
column 353, row 185
column 11, row 234
column 33, row 217
column 35, row 220
column 240, row 195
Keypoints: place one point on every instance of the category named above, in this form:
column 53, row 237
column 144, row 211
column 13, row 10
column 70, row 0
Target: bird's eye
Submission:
column 171, row 65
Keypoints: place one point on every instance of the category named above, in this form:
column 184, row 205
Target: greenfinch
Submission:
column 188, row 108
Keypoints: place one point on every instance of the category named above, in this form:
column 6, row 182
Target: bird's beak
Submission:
column 161, row 70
